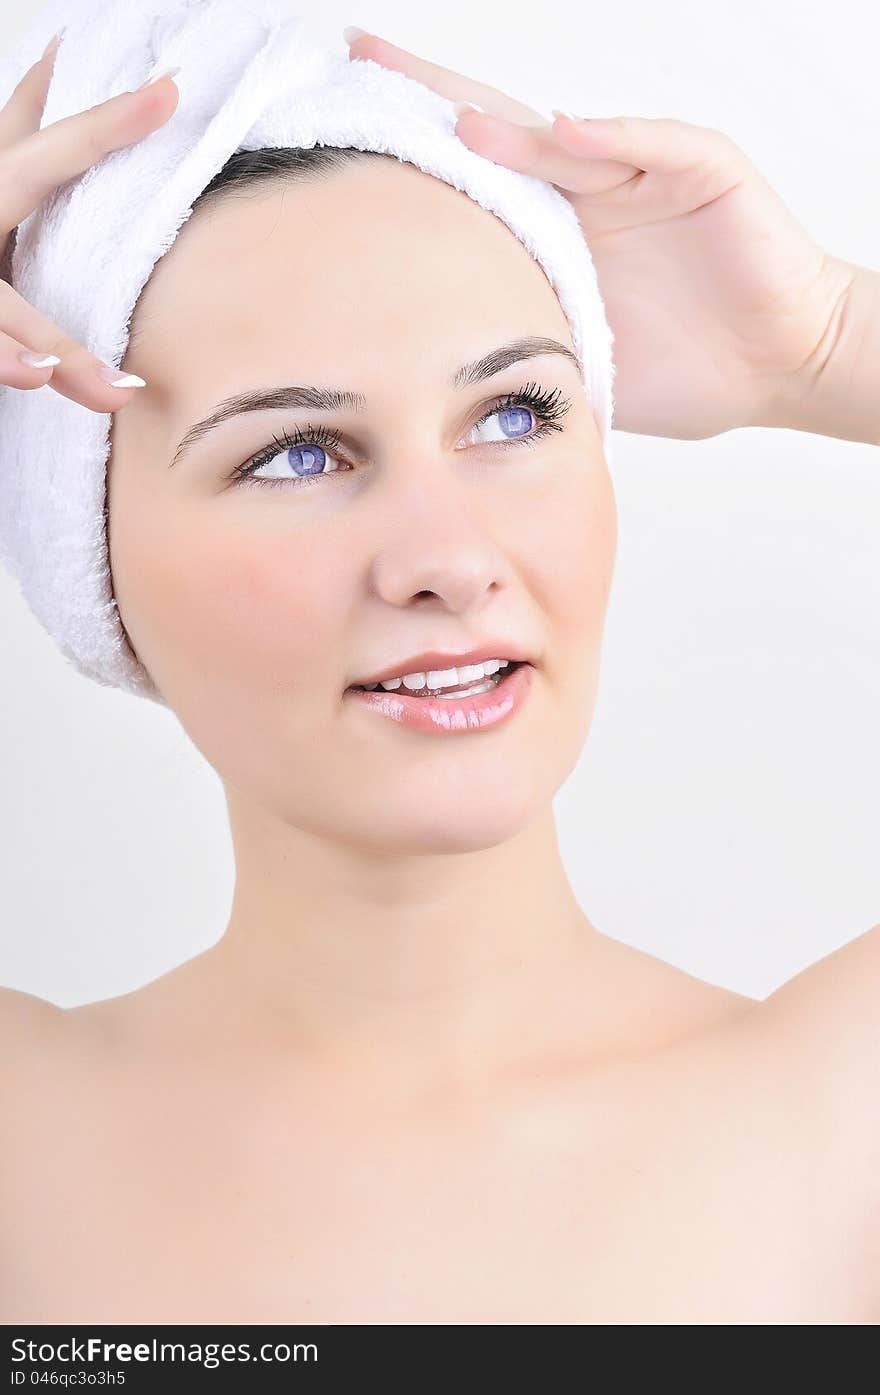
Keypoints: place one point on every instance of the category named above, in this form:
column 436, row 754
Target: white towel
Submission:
column 252, row 75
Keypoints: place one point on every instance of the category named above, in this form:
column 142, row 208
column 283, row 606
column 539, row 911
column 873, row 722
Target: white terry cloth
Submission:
column 252, row 75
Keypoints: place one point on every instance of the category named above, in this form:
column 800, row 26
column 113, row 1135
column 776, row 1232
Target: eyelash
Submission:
column 545, row 406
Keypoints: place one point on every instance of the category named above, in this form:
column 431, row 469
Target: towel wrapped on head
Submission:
column 252, row 77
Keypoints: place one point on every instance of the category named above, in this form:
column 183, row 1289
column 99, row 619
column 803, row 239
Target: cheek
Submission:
column 281, row 599
column 228, row 607
column 573, row 544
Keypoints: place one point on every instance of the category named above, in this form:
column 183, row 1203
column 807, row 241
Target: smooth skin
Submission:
column 411, row 1081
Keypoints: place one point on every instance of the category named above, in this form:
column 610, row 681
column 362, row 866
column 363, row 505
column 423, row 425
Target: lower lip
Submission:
column 448, row 715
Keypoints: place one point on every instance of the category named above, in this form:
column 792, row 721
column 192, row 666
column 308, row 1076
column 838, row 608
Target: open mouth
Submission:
column 456, row 690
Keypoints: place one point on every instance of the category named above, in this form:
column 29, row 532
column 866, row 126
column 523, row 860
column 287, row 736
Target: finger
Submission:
column 444, row 81
column 658, row 145
column 23, row 112
column 32, row 168
column 16, row 374
column 77, row 376
column 538, row 152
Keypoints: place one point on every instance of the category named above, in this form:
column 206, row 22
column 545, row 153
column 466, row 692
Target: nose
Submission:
column 437, row 539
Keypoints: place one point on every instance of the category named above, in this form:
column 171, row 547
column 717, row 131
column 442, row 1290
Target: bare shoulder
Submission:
column 826, row 1022
column 30, row 1037
column 27, row 1024
column 44, row 1049
column 831, row 1010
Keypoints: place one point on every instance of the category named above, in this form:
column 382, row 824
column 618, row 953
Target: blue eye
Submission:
column 307, row 451
column 308, row 461
column 515, row 422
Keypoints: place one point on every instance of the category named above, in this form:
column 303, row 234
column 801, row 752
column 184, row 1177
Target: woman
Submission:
column 412, row 1082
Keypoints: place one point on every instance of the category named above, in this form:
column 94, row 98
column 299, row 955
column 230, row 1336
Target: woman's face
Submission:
column 255, row 605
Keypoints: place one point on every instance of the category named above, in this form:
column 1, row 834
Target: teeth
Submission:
column 484, row 687
column 442, row 678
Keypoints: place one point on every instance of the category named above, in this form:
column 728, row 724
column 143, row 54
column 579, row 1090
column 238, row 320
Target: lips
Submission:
column 450, row 715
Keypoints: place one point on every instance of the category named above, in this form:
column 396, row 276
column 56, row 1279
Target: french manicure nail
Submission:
column 117, row 379
column 351, row 33
column 154, row 77
column 557, row 111
column 461, row 107
column 38, row 360
column 52, row 44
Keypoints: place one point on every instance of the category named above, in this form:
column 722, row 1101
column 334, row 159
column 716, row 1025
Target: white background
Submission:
column 725, row 814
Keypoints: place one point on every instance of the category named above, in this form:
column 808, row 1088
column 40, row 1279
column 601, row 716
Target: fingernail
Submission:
column 351, row 32
column 117, row 379
column 38, row 360
column 52, row 44
column 154, row 77
column 461, row 107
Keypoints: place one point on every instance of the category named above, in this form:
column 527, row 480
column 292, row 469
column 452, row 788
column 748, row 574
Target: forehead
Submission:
column 376, row 249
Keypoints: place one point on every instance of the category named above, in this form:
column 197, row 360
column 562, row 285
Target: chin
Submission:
column 456, row 820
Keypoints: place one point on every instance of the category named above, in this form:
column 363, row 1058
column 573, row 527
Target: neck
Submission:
column 397, row 967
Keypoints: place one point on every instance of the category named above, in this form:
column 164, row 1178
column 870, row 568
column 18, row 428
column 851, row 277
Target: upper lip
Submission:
column 424, row 663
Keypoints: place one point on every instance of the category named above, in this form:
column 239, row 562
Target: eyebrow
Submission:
column 318, row 399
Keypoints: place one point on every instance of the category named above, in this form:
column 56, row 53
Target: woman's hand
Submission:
column 33, row 163
column 720, row 303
